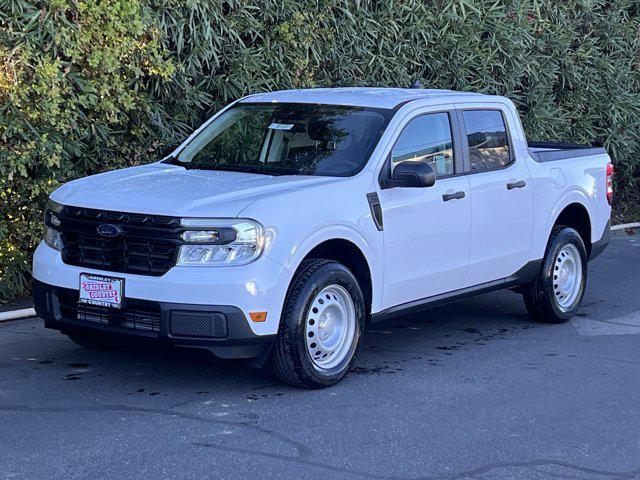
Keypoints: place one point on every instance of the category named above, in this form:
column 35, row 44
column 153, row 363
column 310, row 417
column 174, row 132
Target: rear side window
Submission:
column 427, row 137
column 488, row 140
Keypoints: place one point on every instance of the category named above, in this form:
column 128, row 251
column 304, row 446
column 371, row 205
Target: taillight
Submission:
column 610, row 183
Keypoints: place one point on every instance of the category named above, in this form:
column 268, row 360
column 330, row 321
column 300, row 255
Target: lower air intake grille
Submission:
column 198, row 324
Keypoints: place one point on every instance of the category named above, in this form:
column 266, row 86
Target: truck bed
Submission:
column 551, row 151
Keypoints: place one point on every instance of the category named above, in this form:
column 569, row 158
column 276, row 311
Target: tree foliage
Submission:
column 91, row 85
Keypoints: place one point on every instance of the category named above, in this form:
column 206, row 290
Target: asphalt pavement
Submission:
column 471, row 390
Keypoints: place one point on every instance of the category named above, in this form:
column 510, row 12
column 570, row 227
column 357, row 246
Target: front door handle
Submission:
column 520, row 184
column 452, row 196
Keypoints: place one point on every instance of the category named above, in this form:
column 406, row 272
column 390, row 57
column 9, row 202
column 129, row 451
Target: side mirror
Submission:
column 410, row 174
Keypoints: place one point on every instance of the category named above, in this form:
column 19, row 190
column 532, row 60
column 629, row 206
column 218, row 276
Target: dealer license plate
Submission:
column 101, row 291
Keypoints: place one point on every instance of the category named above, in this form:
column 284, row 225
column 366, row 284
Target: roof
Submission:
column 355, row 96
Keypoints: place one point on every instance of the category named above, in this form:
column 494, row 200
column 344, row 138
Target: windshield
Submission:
column 287, row 139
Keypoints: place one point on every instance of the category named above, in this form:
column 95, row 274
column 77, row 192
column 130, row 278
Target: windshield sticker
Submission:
column 281, row 126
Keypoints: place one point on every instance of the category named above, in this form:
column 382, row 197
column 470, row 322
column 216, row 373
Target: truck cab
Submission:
column 290, row 220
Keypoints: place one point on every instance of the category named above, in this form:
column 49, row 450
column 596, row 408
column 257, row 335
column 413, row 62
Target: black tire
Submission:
column 539, row 297
column 94, row 341
column 290, row 359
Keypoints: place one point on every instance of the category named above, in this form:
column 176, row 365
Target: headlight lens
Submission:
column 52, row 238
column 220, row 242
column 54, row 206
column 52, row 212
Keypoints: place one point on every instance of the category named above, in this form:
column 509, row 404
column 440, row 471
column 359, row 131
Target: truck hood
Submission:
column 163, row 189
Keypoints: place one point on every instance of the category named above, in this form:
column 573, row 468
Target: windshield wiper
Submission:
column 235, row 168
column 243, row 169
column 172, row 160
column 257, row 169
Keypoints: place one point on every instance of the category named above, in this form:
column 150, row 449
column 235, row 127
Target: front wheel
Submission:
column 555, row 295
column 321, row 326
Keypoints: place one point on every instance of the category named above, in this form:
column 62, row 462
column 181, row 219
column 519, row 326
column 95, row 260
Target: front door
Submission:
column 426, row 230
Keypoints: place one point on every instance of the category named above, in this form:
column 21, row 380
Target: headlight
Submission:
column 52, row 212
column 220, row 242
column 54, row 206
column 52, row 238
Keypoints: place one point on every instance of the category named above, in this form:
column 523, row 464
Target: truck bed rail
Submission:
column 551, row 151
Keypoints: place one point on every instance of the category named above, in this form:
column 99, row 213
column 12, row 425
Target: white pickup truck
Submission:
column 291, row 219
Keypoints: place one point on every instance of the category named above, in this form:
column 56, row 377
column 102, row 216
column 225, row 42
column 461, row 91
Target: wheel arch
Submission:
column 348, row 249
column 349, row 255
column 575, row 215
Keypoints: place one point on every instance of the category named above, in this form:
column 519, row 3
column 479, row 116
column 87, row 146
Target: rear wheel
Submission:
column 555, row 295
column 321, row 326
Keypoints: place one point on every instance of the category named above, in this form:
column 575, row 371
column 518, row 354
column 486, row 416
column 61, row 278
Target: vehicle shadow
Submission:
column 430, row 336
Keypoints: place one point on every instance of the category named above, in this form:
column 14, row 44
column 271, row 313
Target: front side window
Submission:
column 287, row 139
column 426, row 138
column 488, row 140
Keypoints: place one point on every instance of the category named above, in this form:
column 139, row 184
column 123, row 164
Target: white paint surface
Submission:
column 628, row 324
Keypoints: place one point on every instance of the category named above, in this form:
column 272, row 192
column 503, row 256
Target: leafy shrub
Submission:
column 90, row 85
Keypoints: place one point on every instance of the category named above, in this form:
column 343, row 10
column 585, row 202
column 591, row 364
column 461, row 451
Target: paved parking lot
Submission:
column 466, row 391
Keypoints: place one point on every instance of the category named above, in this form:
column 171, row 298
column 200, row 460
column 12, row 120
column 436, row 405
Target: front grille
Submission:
column 146, row 244
column 136, row 314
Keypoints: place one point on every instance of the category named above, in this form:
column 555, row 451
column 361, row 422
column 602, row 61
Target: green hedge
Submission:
column 90, row 85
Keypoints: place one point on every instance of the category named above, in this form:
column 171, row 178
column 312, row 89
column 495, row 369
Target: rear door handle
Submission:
column 452, row 196
column 520, row 184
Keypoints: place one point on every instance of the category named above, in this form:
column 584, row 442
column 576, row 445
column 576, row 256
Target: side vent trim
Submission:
column 376, row 209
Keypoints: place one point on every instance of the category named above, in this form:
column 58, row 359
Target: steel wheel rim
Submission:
column 330, row 327
column 567, row 277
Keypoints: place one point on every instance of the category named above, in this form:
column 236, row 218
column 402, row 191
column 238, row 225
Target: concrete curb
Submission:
column 625, row 226
column 17, row 314
column 30, row 312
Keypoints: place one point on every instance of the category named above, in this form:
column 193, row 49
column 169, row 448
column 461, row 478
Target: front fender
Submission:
column 312, row 239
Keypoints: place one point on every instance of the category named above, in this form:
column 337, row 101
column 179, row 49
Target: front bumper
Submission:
column 260, row 286
column 221, row 329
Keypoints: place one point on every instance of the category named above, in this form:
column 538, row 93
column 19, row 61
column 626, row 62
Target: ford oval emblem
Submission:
column 108, row 230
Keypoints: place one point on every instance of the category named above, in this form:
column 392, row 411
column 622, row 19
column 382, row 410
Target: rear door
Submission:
column 501, row 196
column 426, row 230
